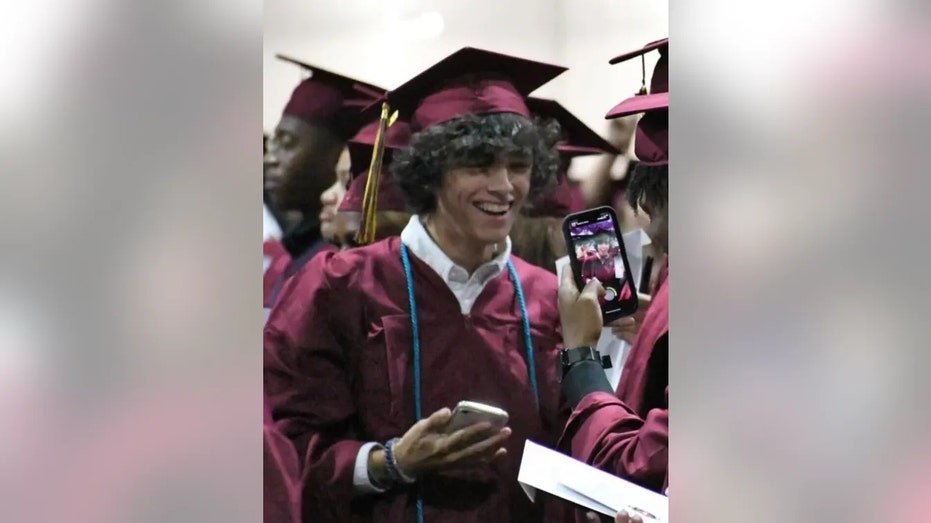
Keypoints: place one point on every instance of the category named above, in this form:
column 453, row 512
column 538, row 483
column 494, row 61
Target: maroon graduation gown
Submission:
column 646, row 371
column 627, row 434
column 607, row 434
column 338, row 373
column 281, row 476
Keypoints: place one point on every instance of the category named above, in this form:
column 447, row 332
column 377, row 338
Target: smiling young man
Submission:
column 363, row 365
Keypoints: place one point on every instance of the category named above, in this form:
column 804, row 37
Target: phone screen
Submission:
column 597, row 251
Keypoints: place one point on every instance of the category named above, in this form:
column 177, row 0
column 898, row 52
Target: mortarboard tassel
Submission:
column 366, row 234
column 643, row 78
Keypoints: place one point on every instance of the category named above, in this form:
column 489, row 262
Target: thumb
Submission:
column 593, row 289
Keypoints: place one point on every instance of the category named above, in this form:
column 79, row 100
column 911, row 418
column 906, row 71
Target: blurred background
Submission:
column 130, row 326
column 386, row 42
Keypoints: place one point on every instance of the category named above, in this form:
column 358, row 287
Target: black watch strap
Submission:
column 569, row 357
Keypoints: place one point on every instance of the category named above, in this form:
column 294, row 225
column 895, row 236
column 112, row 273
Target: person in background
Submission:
column 363, row 365
column 626, row 432
column 606, row 183
column 323, row 113
column 601, row 265
column 391, row 213
column 537, row 233
column 333, row 226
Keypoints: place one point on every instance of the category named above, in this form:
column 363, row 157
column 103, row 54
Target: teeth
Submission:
column 493, row 207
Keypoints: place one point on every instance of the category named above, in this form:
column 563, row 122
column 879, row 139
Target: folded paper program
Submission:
column 572, row 480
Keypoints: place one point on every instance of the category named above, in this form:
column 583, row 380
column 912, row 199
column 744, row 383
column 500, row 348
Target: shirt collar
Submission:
column 420, row 243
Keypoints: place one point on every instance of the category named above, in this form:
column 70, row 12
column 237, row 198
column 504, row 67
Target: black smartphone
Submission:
column 596, row 250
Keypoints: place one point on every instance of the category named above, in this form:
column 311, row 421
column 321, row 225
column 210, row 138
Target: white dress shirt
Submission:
column 466, row 289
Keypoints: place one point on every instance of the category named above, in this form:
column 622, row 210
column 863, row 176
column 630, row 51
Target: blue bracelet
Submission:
column 391, row 463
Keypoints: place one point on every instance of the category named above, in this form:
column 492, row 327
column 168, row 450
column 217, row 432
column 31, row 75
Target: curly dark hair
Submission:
column 472, row 141
column 649, row 186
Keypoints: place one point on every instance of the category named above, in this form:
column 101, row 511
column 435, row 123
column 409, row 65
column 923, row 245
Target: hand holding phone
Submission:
column 596, row 250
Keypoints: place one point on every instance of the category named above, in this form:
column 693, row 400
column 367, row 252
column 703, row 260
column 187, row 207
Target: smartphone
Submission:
column 596, row 250
column 470, row 412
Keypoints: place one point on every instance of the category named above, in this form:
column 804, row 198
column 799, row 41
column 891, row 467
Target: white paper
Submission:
column 572, row 480
column 609, row 344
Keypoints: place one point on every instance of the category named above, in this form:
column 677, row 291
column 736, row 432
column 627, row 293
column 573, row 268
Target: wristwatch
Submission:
column 569, row 357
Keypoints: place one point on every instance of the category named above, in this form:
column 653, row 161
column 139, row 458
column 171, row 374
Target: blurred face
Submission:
column 580, row 251
column 478, row 205
column 300, row 165
column 332, row 223
column 603, row 249
column 658, row 227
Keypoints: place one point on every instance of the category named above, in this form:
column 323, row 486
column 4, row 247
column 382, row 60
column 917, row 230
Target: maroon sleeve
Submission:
column 281, row 479
column 307, row 381
column 606, row 434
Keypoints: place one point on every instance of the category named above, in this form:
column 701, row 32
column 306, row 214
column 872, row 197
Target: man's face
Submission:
column 300, row 165
column 481, row 203
column 658, row 227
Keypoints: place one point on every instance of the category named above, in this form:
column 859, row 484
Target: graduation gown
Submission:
column 302, row 243
column 607, row 434
column 281, row 476
column 646, row 371
column 338, row 374
column 627, row 434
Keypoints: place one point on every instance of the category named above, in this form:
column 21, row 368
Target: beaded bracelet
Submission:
column 391, row 463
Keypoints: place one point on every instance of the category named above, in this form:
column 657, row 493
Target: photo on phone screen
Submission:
column 596, row 250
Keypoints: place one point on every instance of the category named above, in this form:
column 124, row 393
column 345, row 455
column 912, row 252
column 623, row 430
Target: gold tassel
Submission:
column 366, row 234
column 643, row 81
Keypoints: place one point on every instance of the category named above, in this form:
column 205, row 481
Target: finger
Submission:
column 591, row 516
column 433, row 423
column 492, row 454
column 494, row 442
column 622, row 517
column 623, row 323
column 593, row 289
column 436, row 421
column 568, row 292
column 465, row 436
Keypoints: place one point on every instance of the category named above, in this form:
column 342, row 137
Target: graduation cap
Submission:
column 651, row 141
column 330, row 99
column 579, row 140
column 658, row 96
column 388, row 195
column 469, row 81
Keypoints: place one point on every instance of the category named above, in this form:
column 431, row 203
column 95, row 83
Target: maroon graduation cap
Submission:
column 578, row 140
column 658, row 96
column 472, row 81
column 469, row 81
column 651, row 141
column 389, row 196
column 330, row 99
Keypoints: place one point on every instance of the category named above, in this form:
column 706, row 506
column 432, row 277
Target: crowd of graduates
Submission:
column 410, row 246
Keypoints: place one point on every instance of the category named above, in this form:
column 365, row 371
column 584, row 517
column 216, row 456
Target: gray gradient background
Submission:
column 130, row 325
